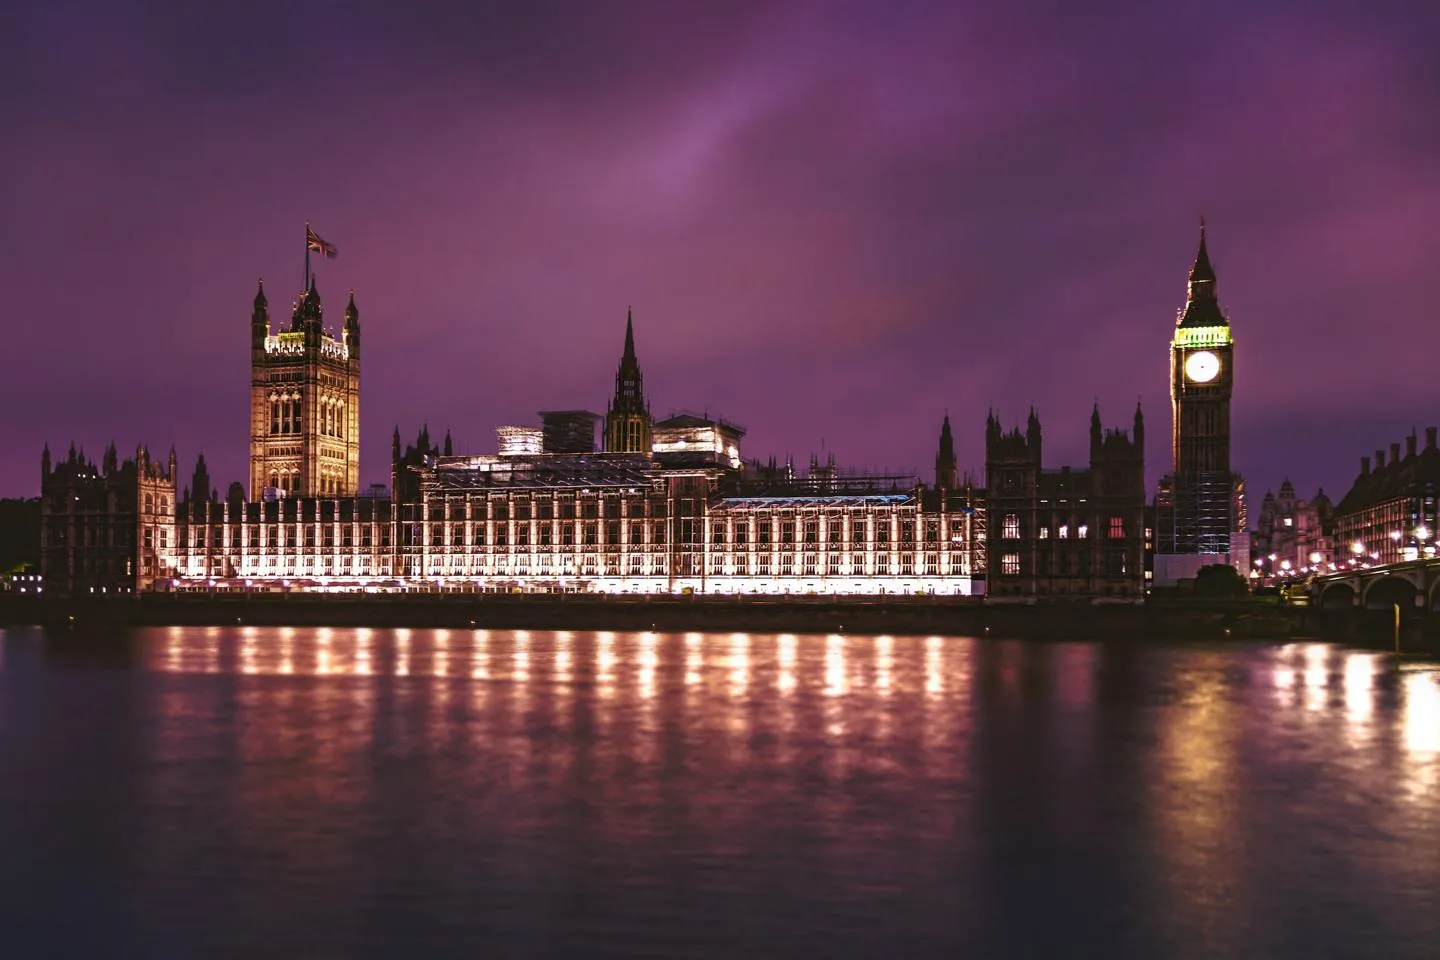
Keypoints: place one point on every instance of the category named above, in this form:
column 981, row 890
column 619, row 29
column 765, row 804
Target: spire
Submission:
column 629, row 353
column 945, row 457
column 395, row 446
column 260, row 302
column 1202, row 271
column 1202, row 308
column 449, row 446
column 352, row 312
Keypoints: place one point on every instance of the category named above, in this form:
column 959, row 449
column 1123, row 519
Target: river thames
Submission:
column 334, row 793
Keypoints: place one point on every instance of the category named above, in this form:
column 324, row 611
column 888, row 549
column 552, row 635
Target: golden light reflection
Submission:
column 564, row 658
column 1317, row 676
column 739, row 664
column 694, row 660
column 836, row 683
column 649, row 660
column 323, row 659
column 402, row 652
column 785, row 655
column 1422, row 714
column 1359, row 688
column 934, row 670
column 362, row 666
column 173, row 650
column 441, row 665
column 247, row 651
column 480, row 655
column 605, row 663
column 884, row 663
column 287, row 650
column 522, row 655
column 1420, row 733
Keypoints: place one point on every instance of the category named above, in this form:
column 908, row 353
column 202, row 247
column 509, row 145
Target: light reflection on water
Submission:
column 872, row 793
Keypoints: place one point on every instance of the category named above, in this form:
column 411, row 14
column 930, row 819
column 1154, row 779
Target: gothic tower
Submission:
column 304, row 402
column 627, row 419
column 1202, row 375
column 1200, row 509
column 945, row 471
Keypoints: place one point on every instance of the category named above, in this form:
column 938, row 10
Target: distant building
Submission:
column 567, row 431
column 1076, row 533
column 1389, row 513
column 1292, row 536
column 1200, row 512
column 105, row 529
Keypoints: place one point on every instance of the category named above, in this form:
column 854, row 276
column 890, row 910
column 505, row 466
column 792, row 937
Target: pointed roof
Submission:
column 1202, row 271
column 352, row 312
column 1202, row 308
column 260, row 300
column 629, row 353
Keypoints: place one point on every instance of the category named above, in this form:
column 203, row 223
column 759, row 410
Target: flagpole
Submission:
column 307, row 258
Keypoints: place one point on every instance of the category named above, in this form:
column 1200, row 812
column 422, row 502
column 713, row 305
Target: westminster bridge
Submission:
column 1413, row 585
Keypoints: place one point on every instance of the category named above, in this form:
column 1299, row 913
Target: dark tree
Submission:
column 1220, row 581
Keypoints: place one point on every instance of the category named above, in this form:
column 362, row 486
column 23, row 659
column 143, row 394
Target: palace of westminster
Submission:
column 656, row 506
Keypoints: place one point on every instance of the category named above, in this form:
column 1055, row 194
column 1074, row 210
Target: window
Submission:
column 1083, row 531
column 1011, row 529
column 1044, row 533
column 834, row 533
column 1117, row 528
column 787, row 532
column 1064, row 531
column 857, row 531
column 1010, row 564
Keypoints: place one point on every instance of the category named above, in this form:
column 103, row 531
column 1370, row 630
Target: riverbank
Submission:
column 1062, row 620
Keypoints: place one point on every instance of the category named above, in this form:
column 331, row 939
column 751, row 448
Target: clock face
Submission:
column 1202, row 366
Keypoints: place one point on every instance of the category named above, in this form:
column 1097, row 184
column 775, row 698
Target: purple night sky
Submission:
column 834, row 220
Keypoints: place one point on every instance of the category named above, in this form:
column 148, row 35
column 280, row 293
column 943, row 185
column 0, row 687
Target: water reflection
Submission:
column 1161, row 795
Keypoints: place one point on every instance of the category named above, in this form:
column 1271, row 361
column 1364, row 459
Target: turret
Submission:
column 45, row 462
column 1139, row 428
column 1032, row 435
column 945, row 458
column 111, row 462
column 1097, row 434
column 449, row 446
column 259, row 318
column 200, row 482
column 627, row 419
column 352, row 327
column 308, row 316
column 395, row 446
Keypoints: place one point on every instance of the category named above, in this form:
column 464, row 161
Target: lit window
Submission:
column 1289, row 521
column 1064, row 531
column 1011, row 529
column 1010, row 564
column 1083, row 532
column 1117, row 528
column 1044, row 533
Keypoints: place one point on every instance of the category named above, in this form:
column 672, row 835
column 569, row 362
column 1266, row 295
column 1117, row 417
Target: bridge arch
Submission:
column 1435, row 596
column 1337, row 596
column 1389, row 590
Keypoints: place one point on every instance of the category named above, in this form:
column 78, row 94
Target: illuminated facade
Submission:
column 1078, row 533
column 1292, row 535
column 304, row 402
column 1200, row 506
column 107, row 529
column 1389, row 513
column 622, row 523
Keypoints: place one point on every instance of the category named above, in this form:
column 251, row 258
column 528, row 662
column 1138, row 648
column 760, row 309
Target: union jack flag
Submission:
column 314, row 242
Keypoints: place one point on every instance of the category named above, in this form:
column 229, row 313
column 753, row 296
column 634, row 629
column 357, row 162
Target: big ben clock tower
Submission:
column 1202, row 375
column 1200, row 509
